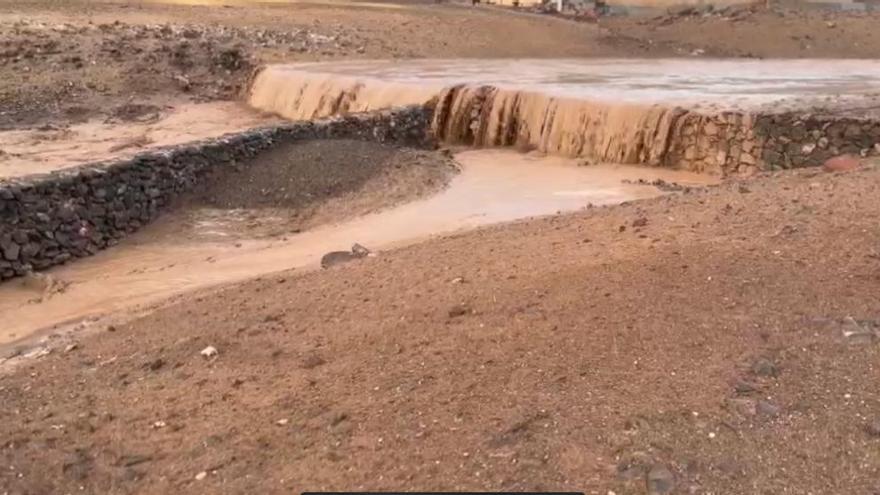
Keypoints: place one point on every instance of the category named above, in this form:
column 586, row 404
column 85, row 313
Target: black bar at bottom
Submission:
column 442, row 493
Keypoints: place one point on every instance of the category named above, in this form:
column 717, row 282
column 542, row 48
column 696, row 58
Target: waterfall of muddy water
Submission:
column 493, row 186
column 304, row 96
column 610, row 133
column 706, row 83
column 615, row 111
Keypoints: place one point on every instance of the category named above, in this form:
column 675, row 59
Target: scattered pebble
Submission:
column 744, row 406
column 767, row 408
column 459, row 310
column 660, row 480
column 765, row 368
column 209, row 352
column 201, row 476
column 312, row 361
column 744, row 387
column 37, row 353
column 843, row 163
column 860, row 332
column 873, row 428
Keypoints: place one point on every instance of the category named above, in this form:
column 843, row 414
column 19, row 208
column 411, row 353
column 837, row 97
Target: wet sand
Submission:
column 494, row 186
column 48, row 148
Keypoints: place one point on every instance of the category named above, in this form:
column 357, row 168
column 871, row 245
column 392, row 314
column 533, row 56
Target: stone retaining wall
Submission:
column 742, row 144
column 48, row 219
column 794, row 140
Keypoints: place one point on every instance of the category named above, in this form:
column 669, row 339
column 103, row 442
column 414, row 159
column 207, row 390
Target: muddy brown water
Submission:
column 615, row 111
column 493, row 186
column 704, row 83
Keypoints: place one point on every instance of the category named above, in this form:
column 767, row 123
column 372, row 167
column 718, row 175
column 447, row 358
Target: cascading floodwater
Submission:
column 686, row 115
column 482, row 116
column 486, row 116
column 306, row 96
column 700, row 116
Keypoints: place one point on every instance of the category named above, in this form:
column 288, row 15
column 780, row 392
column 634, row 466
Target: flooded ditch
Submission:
column 550, row 136
column 207, row 246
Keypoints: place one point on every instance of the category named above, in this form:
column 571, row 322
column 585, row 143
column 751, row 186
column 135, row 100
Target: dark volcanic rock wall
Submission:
column 46, row 220
column 795, row 140
column 49, row 219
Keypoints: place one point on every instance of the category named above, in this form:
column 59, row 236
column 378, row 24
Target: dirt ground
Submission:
column 67, row 61
column 293, row 188
column 747, row 31
column 63, row 62
column 720, row 341
column 130, row 128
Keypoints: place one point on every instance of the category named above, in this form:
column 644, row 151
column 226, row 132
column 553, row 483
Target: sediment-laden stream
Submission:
column 693, row 115
column 493, row 186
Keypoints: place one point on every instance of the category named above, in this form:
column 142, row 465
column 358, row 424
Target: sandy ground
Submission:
column 304, row 185
column 749, row 31
column 716, row 342
column 69, row 60
column 67, row 68
column 719, row 341
column 132, row 129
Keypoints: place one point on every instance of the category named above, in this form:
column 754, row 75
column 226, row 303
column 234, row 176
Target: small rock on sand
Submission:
column 460, row 310
column 764, row 367
column 660, row 480
column 843, row 163
column 767, row 408
column 873, row 428
column 209, row 352
column 312, row 361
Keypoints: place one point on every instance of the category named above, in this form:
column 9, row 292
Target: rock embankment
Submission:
column 46, row 220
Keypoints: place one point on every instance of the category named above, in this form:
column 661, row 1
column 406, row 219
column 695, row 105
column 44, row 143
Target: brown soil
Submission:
column 64, row 62
column 719, row 341
column 296, row 187
column 747, row 31
column 62, row 71
column 68, row 61
column 722, row 341
column 129, row 129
